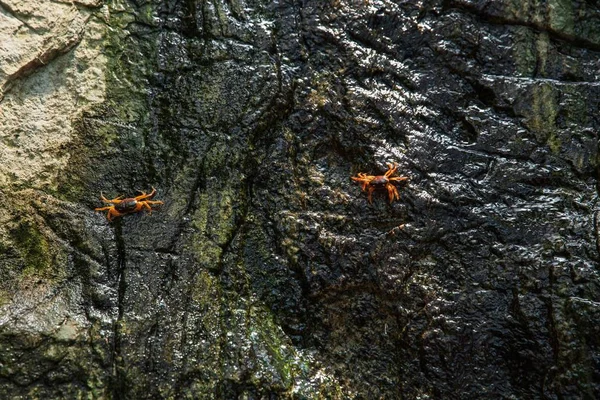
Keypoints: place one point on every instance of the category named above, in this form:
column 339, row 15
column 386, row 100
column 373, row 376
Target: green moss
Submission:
column 279, row 351
column 561, row 16
column 542, row 46
column 33, row 248
column 554, row 143
column 542, row 120
column 530, row 51
column 319, row 96
column 214, row 222
column 291, row 368
column 4, row 298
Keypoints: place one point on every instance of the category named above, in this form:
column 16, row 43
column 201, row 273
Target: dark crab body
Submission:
column 379, row 182
column 119, row 207
column 371, row 183
column 126, row 205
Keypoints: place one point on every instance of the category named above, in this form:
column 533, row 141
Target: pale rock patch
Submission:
column 51, row 69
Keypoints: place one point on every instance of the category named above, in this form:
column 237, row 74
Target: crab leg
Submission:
column 113, row 214
column 145, row 196
column 398, row 178
column 371, row 190
column 364, row 179
column 391, row 170
column 392, row 192
column 115, row 200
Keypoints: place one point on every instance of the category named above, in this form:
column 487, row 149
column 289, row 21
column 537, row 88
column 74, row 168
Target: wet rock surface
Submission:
column 267, row 273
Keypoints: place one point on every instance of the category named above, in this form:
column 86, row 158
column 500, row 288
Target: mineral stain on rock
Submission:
column 266, row 274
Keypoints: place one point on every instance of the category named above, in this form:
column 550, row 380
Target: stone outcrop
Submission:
column 267, row 273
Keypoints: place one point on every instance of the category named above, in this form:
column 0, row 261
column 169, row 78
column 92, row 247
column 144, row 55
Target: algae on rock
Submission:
column 267, row 273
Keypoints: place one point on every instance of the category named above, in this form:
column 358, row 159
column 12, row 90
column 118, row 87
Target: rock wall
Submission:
column 267, row 273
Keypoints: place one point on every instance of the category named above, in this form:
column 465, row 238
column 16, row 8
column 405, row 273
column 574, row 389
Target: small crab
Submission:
column 385, row 181
column 129, row 205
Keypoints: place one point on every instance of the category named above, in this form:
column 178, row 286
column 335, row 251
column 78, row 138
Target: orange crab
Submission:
column 129, row 205
column 371, row 183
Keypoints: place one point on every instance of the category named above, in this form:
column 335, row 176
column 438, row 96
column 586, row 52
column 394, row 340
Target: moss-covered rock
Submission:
column 267, row 273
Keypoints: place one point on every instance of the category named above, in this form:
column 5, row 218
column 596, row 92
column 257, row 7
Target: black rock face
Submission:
column 267, row 273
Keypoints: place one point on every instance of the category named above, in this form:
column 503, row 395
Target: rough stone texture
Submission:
column 51, row 68
column 267, row 273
